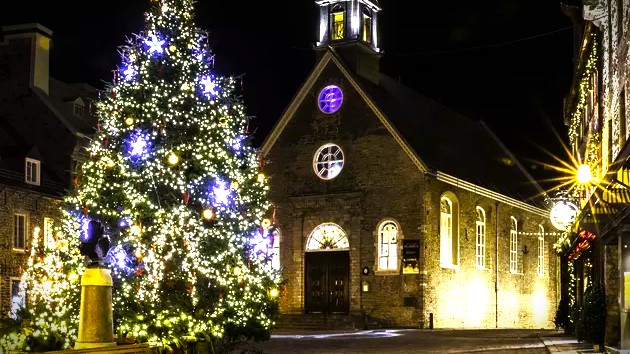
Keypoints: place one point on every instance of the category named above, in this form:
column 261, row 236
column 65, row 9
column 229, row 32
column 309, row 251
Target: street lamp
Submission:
column 584, row 175
column 96, row 329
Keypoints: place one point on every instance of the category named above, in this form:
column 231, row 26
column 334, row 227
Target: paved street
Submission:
column 404, row 341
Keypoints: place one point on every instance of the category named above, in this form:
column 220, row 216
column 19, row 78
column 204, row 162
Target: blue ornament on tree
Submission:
column 138, row 145
column 209, row 87
column 118, row 257
column 155, row 44
column 129, row 73
column 221, row 192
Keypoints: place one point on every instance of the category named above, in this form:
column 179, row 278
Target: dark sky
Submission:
column 507, row 62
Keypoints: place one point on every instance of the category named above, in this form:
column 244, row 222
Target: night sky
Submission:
column 507, row 62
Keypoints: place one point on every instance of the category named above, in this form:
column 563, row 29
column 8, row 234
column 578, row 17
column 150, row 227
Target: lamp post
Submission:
column 96, row 325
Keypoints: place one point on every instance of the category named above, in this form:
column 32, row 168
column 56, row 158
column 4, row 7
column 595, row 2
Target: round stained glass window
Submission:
column 330, row 99
column 328, row 161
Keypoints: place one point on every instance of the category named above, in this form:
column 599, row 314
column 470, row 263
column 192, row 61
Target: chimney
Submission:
column 39, row 37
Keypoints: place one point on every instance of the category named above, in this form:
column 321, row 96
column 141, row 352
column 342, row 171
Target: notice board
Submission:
column 411, row 256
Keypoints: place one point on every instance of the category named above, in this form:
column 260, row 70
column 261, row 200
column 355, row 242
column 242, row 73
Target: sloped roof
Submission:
column 25, row 121
column 449, row 142
column 439, row 141
column 61, row 97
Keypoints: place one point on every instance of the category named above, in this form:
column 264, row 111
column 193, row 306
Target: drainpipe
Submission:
column 496, row 266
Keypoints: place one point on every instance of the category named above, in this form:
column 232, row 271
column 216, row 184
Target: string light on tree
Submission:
column 207, row 214
column 173, row 159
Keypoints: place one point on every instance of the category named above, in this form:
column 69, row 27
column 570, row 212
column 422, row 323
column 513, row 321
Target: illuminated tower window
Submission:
column 337, row 17
column 367, row 28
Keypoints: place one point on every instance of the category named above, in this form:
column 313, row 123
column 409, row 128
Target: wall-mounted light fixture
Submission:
column 365, row 286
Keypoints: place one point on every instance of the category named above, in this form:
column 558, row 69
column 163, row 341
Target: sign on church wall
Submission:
column 411, row 256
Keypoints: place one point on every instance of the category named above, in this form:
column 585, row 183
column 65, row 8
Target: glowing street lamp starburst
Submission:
column 584, row 174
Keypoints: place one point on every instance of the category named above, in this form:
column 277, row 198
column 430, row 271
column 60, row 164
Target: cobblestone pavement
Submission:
column 402, row 341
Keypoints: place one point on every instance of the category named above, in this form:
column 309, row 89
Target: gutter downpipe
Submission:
column 496, row 267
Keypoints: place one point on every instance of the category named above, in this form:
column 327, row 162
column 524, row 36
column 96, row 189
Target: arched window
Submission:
column 449, row 237
column 541, row 250
column 388, row 245
column 480, row 238
column 337, row 20
column 274, row 252
column 327, row 236
column 513, row 245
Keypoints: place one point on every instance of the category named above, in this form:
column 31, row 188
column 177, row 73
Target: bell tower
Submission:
column 350, row 27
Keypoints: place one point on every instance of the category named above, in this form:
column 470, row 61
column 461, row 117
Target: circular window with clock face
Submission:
column 328, row 161
column 330, row 99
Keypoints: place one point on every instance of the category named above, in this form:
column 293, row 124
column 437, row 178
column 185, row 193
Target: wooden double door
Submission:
column 327, row 277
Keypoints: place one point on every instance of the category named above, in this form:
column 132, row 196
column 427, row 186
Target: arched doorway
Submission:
column 327, row 264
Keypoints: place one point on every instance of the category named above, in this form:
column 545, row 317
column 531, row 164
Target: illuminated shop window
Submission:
column 328, row 161
column 513, row 245
column 480, row 237
column 330, row 99
column 449, row 238
column 327, row 236
column 336, row 21
column 388, row 246
column 541, row 250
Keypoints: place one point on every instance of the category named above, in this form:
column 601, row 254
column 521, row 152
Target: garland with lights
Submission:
column 563, row 243
column 172, row 200
column 583, row 86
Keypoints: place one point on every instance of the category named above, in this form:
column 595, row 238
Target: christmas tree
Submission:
column 171, row 199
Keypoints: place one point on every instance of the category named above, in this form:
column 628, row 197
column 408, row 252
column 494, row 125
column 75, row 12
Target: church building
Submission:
column 395, row 209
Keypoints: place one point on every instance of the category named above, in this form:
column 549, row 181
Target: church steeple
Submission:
column 351, row 27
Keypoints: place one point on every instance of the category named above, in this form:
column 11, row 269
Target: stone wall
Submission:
column 467, row 296
column 13, row 262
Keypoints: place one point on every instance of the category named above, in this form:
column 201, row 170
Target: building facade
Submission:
column 393, row 207
column 43, row 124
column 596, row 112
